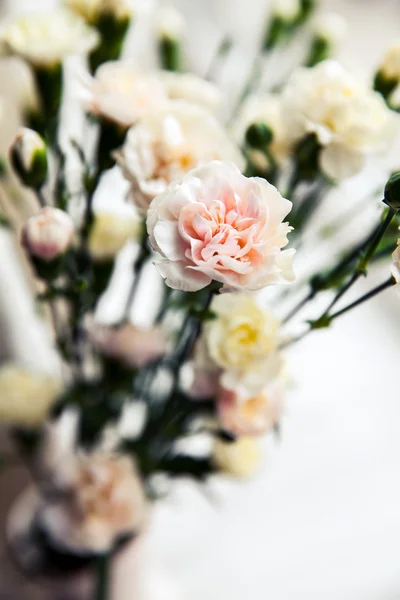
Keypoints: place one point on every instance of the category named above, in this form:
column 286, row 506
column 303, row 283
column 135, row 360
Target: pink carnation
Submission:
column 253, row 416
column 218, row 225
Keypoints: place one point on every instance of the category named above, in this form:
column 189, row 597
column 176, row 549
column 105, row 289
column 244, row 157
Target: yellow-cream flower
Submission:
column 242, row 341
column 240, row 458
column 109, row 234
column 26, row 396
column 93, row 10
column 103, row 500
column 45, row 39
column 350, row 121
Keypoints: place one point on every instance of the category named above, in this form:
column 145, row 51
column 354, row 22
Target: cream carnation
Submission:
column 265, row 109
column 48, row 234
column 168, row 143
column 103, row 500
column 390, row 66
column 242, row 334
column 26, row 396
column 122, row 94
column 45, row 39
column 109, row 234
column 194, row 89
column 350, row 121
column 251, row 416
column 93, row 10
column 218, row 225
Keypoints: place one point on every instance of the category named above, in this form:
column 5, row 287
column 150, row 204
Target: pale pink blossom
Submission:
column 48, row 234
column 251, row 416
column 166, row 144
column 131, row 345
column 100, row 498
column 218, row 225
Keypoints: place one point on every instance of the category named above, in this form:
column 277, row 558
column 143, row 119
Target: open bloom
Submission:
column 131, row 345
column 242, row 342
column 109, row 234
column 122, row 94
column 93, row 10
column 350, row 121
column 168, row 143
column 45, row 39
column 251, row 416
column 26, row 396
column 218, row 225
column 48, row 234
column 103, row 500
column 266, row 109
column 242, row 334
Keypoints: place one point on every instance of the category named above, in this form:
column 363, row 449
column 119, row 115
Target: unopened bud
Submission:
column 259, row 135
column 330, row 27
column 28, row 155
column 48, row 234
column 392, row 191
column 171, row 24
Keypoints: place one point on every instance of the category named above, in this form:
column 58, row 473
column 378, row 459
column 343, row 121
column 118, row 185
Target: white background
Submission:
column 322, row 520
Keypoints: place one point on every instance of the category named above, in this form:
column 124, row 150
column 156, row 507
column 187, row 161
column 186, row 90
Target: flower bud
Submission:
column 259, row 136
column 392, row 191
column 330, row 27
column 288, row 10
column 239, row 458
column 170, row 29
column 28, row 154
column 48, row 234
column 109, row 234
column 171, row 23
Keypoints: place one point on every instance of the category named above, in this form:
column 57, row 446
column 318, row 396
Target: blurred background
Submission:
column 322, row 519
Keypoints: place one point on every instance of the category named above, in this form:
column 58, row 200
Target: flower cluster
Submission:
column 155, row 253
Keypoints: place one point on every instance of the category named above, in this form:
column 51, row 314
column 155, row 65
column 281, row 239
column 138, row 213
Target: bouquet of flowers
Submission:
column 205, row 209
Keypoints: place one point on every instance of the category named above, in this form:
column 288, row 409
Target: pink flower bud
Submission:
column 131, row 345
column 48, row 234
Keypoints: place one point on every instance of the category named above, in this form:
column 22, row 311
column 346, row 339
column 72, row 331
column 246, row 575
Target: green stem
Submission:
column 102, row 577
column 362, row 265
column 310, row 296
column 380, row 288
column 217, row 60
column 143, row 255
